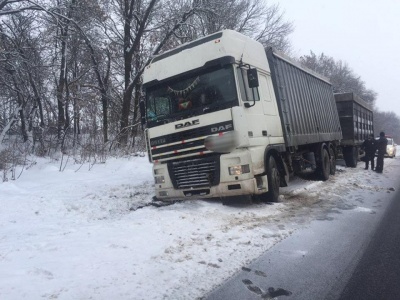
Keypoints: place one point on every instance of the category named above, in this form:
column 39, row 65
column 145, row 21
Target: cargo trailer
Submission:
column 356, row 121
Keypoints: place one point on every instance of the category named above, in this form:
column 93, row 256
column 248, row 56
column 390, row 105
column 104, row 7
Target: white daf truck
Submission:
column 227, row 118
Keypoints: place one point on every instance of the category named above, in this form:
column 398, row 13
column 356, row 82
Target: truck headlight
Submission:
column 159, row 179
column 237, row 170
column 158, row 171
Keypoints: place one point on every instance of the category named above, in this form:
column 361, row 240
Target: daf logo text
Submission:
column 187, row 124
column 221, row 128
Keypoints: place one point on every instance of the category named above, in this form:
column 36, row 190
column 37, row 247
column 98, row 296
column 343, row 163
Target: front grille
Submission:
column 195, row 173
column 187, row 143
column 189, row 134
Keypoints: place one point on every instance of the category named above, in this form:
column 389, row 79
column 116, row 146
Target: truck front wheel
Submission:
column 273, row 180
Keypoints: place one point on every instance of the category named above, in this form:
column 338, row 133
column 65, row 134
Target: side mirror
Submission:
column 252, row 78
column 142, row 107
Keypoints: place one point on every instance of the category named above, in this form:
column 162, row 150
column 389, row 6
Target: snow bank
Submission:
column 82, row 234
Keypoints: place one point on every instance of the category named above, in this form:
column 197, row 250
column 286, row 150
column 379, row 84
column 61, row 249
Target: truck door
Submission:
column 270, row 109
column 267, row 96
column 254, row 111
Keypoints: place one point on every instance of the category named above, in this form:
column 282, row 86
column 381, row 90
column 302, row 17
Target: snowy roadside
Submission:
column 79, row 234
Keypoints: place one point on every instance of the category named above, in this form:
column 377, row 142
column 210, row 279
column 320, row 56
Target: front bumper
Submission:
column 224, row 189
column 226, row 185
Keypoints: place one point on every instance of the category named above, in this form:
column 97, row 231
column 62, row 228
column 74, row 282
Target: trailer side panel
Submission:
column 305, row 101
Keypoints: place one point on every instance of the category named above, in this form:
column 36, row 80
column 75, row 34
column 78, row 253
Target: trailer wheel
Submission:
column 324, row 165
column 350, row 155
column 273, row 180
column 333, row 161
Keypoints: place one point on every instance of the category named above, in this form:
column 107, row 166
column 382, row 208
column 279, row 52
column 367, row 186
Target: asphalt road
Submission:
column 377, row 276
column 345, row 255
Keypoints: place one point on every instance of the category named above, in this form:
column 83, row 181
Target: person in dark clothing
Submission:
column 381, row 145
column 369, row 146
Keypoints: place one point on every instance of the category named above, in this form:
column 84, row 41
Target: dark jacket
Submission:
column 369, row 147
column 381, row 145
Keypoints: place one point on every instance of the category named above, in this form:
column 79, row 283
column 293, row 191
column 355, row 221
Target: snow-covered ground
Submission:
column 89, row 233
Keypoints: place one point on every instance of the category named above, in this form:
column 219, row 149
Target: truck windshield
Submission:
column 184, row 97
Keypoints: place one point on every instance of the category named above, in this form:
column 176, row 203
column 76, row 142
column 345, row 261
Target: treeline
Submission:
column 387, row 122
column 72, row 68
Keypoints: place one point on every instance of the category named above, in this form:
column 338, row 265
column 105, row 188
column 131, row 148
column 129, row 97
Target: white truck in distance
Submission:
column 226, row 118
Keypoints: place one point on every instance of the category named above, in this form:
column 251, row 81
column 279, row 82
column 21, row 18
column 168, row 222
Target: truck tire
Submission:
column 350, row 155
column 324, row 165
column 273, row 180
column 284, row 181
column 333, row 161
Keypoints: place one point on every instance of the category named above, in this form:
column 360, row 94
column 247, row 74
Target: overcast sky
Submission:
column 363, row 33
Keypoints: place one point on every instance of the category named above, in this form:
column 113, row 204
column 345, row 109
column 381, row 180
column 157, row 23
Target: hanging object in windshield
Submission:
column 185, row 91
column 184, row 103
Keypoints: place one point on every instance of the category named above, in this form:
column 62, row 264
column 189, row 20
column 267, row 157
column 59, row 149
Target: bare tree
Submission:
column 275, row 31
column 76, row 23
column 96, row 52
column 136, row 15
column 255, row 18
column 19, row 71
column 9, row 7
column 144, row 23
